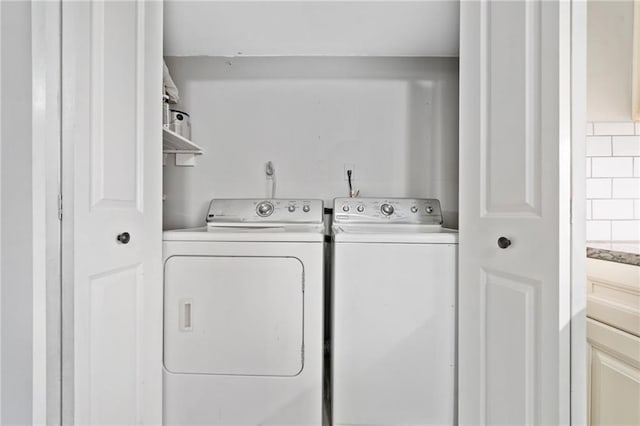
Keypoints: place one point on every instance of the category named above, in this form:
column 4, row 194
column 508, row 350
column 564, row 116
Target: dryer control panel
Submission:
column 264, row 211
column 424, row 211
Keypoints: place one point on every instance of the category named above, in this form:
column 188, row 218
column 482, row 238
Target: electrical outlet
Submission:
column 351, row 167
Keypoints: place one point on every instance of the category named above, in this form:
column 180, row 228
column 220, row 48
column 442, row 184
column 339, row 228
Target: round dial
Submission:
column 264, row 209
column 345, row 208
column 414, row 209
column 306, row 208
column 360, row 209
column 429, row 209
column 386, row 209
column 292, row 208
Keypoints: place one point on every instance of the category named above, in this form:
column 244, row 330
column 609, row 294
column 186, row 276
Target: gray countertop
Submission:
column 627, row 252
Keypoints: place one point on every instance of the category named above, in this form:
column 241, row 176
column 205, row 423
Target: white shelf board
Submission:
column 173, row 143
column 311, row 28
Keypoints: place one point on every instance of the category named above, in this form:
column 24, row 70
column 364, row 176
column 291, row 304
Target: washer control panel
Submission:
column 387, row 210
column 265, row 211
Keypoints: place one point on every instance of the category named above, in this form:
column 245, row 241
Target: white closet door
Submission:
column 514, row 305
column 112, row 82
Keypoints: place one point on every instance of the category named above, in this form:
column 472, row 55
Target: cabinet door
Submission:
column 112, row 71
column 514, row 314
column 614, row 376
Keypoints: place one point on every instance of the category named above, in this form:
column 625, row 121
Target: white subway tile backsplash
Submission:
column 614, row 128
column 613, row 181
column 625, row 230
column 598, row 230
column 624, row 146
column 612, row 167
column 624, row 188
column 599, row 146
column 598, row 188
column 612, row 209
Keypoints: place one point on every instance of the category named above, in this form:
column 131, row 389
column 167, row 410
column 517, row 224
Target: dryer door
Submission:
column 233, row 315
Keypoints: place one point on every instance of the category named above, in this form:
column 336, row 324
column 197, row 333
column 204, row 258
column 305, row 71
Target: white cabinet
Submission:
column 613, row 294
column 614, row 376
column 613, row 327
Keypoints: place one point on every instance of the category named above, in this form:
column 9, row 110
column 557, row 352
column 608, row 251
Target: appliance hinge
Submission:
column 59, row 206
column 302, row 353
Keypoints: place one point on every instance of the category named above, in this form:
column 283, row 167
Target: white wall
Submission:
column 16, row 216
column 609, row 60
column 311, row 28
column 395, row 119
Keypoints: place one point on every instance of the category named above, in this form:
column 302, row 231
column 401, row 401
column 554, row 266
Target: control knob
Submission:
column 387, row 209
column 306, row 208
column 360, row 209
column 264, row 209
column 345, row 208
column 429, row 209
column 414, row 209
column 292, row 208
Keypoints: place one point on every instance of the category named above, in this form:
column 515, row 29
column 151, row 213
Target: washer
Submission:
column 243, row 315
column 394, row 314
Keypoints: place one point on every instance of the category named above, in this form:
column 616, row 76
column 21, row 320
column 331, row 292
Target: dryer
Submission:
column 394, row 313
column 243, row 315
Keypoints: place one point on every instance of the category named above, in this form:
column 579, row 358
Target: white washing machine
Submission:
column 394, row 313
column 243, row 316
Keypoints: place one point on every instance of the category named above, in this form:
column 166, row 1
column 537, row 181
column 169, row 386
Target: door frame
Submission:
column 47, row 170
column 46, row 52
column 576, row 97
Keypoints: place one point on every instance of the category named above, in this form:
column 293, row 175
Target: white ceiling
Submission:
column 311, row 28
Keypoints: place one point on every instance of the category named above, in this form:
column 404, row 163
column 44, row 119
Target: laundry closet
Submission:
column 460, row 102
column 304, row 102
column 317, row 89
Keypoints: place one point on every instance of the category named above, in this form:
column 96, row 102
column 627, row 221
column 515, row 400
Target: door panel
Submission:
column 510, row 108
column 117, row 103
column 509, row 313
column 234, row 315
column 115, row 349
column 513, row 183
column 111, row 82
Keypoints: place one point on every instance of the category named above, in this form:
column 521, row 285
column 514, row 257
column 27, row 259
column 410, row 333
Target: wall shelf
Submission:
column 185, row 150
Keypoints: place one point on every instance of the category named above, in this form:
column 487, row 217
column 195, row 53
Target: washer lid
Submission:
column 387, row 233
column 282, row 233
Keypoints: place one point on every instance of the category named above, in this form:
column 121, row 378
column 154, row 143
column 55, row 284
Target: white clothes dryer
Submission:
column 394, row 313
column 243, row 315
